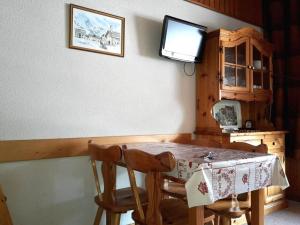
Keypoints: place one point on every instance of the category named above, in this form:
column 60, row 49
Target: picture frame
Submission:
column 96, row 31
column 228, row 114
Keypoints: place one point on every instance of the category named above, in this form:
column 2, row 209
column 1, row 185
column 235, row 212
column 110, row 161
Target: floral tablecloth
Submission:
column 212, row 173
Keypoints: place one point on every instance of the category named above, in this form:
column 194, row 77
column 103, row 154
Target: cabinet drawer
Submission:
column 254, row 142
column 275, row 144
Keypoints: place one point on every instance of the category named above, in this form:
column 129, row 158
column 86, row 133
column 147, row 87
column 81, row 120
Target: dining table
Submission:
column 212, row 173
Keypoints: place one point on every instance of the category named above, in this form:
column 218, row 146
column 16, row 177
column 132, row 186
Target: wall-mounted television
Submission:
column 182, row 40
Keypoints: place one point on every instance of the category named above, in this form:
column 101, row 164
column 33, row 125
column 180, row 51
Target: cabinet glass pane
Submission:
column 257, row 59
column 266, row 64
column 229, row 78
column 230, row 55
column 266, row 80
column 241, row 77
column 241, row 54
column 257, row 82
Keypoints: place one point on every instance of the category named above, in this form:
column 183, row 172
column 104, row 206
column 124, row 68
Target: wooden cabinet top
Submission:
column 229, row 35
column 236, row 134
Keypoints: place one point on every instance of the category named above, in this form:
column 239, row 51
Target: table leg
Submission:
column 257, row 207
column 196, row 215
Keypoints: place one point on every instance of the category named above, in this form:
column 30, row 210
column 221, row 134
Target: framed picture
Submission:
column 96, row 31
column 228, row 114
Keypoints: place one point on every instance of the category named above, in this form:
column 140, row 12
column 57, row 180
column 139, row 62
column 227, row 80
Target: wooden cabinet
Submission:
column 245, row 65
column 237, row 65
column 234, row 61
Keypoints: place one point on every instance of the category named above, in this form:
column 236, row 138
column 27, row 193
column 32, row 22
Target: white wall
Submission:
column 50, row 91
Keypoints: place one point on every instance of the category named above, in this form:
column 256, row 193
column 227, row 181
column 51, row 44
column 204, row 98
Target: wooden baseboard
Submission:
column 21, row 150
column 275, row 206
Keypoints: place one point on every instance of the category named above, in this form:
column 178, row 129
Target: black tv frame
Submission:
column 164, row 33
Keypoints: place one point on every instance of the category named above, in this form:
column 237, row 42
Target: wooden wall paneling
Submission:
column 226, row 7
column 292, row 171
column 232, row 7
column 21, row 150
column 206, row 2
column 222, row 6
column 217, row 5
column 246, row 10
column 249, row 11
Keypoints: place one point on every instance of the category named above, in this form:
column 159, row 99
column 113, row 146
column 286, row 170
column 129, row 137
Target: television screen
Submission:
column 182, row 40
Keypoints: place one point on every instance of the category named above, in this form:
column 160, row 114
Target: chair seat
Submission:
column 222, row 208
column 124, row 200
column 223, row 205
column 175, row 189
column 175, row 212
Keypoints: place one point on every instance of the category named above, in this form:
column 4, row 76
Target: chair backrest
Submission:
column 262, row 148
column 207, row 142
column 5, row 218
column 109, row 156
column 152, row 165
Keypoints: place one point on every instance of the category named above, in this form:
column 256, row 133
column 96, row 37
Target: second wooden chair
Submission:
column 222, row 207
column 114, row 201
column 5, row 218
column 159, row 211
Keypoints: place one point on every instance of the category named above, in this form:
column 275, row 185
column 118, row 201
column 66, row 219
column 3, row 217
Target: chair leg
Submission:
column 217, row 220
column 225, row 220
column 213, row 222
column 248, row 217
column 108, row 218
column 116, row 218
column 98, row 216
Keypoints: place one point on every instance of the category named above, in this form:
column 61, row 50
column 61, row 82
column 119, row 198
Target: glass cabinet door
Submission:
column 235, row 60
column 261, row 69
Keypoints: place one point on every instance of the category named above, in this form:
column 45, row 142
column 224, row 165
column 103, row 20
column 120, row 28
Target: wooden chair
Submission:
column 174, row 187
column 159, row 211
column 246, row 147
column 5, row 218
column 222, row 207
column 206, row 142
column 115, row 202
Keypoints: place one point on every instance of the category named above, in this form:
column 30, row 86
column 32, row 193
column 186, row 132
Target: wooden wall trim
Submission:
column 21, row 150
